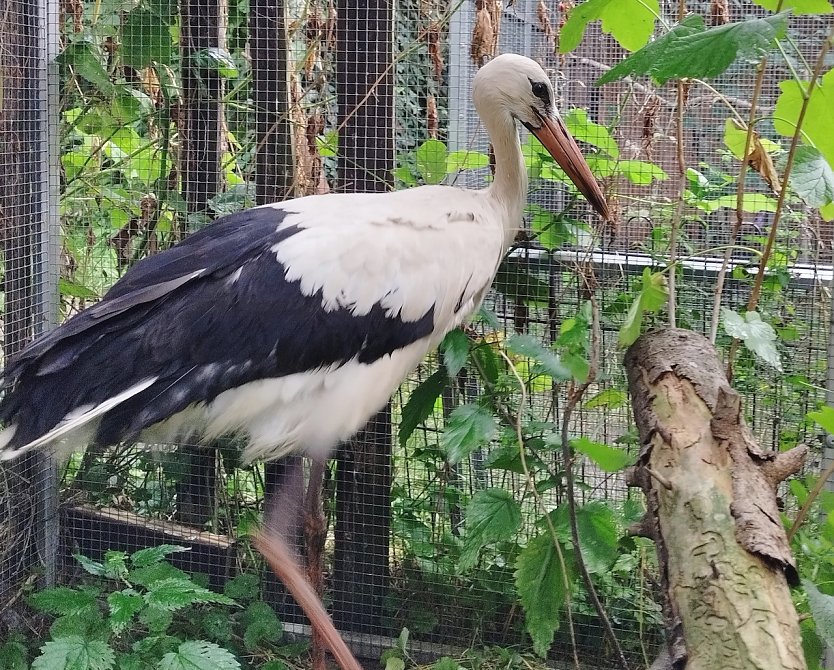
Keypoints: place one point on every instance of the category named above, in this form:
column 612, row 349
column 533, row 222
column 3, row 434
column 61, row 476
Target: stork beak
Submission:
column 555, row 137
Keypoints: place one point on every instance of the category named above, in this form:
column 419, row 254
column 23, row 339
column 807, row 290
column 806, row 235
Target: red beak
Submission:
column 557, row 140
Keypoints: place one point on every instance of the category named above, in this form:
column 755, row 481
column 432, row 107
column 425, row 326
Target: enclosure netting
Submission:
column 171, row 115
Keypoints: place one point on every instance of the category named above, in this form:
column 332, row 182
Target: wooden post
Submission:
column 24, row 220
column 365, row 91
column 201, row 124
column 724, row 557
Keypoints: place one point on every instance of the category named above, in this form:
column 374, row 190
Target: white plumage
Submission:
column 292, row 322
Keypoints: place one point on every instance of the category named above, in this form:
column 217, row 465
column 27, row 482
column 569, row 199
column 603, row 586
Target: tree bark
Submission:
column 724, row 557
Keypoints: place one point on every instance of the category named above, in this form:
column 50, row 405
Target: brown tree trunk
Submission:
column 724, row 557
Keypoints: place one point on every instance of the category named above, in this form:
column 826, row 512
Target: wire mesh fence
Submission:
column 170, row 115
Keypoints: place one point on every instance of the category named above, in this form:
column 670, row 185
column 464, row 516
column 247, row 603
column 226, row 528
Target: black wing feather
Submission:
column 179, row 316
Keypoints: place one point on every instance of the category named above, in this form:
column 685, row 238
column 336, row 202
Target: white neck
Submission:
column 509, row 188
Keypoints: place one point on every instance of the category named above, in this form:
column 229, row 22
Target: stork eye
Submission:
column 541, row 91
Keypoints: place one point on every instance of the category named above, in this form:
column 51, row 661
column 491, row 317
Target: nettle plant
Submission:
column 138, row 611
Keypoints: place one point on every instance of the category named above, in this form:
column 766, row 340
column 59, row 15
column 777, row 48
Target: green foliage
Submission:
column 690, row 50
column 630, row 22
column 141, row 612
column 455, row 348
column 757, row 335
column 651, row 296
column 541, row 583
column 798, row 7
column 492, row 516
column 605, row 457
column 467, row 428
column 818, row 124
column 822, row 607
column 812, row 178
column 421, row 403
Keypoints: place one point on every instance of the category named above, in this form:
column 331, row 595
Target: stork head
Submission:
column 516, row 87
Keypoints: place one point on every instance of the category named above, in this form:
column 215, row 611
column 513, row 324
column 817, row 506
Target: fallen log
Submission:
column 724, row 557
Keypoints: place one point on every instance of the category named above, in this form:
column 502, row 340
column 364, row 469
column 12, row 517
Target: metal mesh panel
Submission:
column 172, row 114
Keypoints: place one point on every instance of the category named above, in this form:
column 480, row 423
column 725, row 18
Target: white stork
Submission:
column 291, row 322
column 294, row 322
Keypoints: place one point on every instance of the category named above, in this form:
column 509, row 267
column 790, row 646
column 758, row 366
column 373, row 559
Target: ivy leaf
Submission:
column 546, row 358
column 630, row 22
column 540, row 583
column 198, row 655
column 455, row 347
column 421, row 404
column 467, row 428
column 825, row 418
column 75, row 653
column 62, row 600
column 652, row 296
column 822, row 607
column 690, row 50
column 123, row 606
column 431, row 161
column 798, row 7
column 757, row 335
column 146, row 39
column 151, row 555
column 812, row 178
column 582, row 128
column 818, row 124
column 607, row 458
column 493, row 515
column 175, row 593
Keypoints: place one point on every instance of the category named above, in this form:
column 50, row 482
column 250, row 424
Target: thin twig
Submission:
column 574, row 396
column 531, row 485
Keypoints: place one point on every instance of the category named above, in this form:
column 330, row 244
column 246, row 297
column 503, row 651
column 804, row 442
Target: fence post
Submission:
column 365, row 92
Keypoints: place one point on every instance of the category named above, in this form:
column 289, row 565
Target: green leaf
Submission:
column 822, row 607
column 598, row 534
column 609, row 398
column 215, row 59
column 246, row 586
column 156, row 619
column 217, row 625
column 547, row 359
column 394, row 663
column 757, row 335
column 607, row 458
column 467, row 428
column 115, row 565
column 492, row 515
column 827, row 212
column 455, row 347
column 692, row 51
column 75, row 290
column 582, row 128
column 146, row 39
column 89, row 565
column 86, row 64
column 175, row 593
column 751, row 203
column 62, row 600
column 262, row 625
column 540, row 583
column 798, row 7
column 431, row 161
column 13, row 654
column 421, row 403
column 579, row 366
column 630, row 22
column 652, row 296
column 818, row 124
column 152, row 555
column 735, row 139
column 463, row 159
column 812, row 178
column 824, row 416
column 75, row 653
column 198, row 655
column 123, row 606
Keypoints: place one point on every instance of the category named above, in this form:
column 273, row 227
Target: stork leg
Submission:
column 281, row 522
